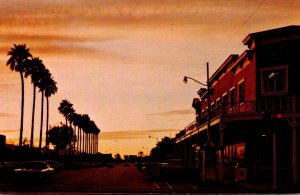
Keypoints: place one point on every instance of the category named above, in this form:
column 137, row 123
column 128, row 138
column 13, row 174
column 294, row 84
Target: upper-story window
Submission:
column 232, row 97
column 218, row 102
column 242, row 91
column 225, row 101
column 274, row 80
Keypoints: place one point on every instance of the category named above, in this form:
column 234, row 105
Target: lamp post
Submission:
column 209, row 142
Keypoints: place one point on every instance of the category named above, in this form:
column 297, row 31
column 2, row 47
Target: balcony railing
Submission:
column 272, row 105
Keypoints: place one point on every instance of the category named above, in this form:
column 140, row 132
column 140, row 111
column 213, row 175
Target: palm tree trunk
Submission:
column 42, row 115
column 78, row 140
column 83, row 142
column 94, row 144
column 22, row 110
column 32, row 120
column 89, row 144
column 47, row 124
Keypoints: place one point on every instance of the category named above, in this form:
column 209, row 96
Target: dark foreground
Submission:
column 127, row 179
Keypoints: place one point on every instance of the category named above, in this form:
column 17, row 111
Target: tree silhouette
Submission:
column 19, row 54
column 34, row 68
column 50, row 89
column 60, row 137
column 66, row 108
column 75, row 118
column 164, row 149
column 45, row 77
column 87, row 129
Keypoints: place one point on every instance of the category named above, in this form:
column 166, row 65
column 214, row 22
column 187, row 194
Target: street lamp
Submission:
column 185, row 78
column 209, row 143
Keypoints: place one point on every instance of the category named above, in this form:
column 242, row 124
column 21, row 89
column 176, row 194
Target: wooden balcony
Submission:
column 249, row 110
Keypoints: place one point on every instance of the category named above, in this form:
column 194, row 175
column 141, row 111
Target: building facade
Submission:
column 250, row 129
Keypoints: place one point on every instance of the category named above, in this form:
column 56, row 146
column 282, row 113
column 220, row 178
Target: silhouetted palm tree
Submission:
column 50, row 89
column 66, row 108
column 78, row 122
column 75, row 118
column 85, row 119
column 45, row 77
column 34, row 68
column 19, row 54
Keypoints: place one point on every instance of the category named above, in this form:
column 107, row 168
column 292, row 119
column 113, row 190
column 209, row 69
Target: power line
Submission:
column 239, row 28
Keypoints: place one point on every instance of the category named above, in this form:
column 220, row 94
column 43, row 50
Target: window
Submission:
column 225, row 101
column 242, row 91
column 274, row 81
column 218, row 103
column 232, row 97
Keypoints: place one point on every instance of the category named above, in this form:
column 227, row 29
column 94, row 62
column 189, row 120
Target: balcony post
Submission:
column 221, row 165
column 294, row 143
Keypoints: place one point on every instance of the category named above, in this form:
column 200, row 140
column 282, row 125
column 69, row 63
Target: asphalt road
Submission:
column 120, row 179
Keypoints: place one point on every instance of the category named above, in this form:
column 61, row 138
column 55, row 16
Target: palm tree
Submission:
column 50, row 89
column 33, row 68
column 19, row 54
column 45, row 77
column 75, row 118
column 85, row 120
column 66, row 109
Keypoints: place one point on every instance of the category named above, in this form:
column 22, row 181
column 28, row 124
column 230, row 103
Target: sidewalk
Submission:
column 252, row 187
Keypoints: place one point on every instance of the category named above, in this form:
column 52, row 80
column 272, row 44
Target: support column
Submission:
column 191, row 152
column 184, row 152
column 203, row 166
column 274, row 161
column 294, row 144
column 221, row 166
column 294, row 126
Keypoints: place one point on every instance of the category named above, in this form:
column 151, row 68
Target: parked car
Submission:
column 33, row 170
column 153, row 169
column 7, row 169
column 53, row 164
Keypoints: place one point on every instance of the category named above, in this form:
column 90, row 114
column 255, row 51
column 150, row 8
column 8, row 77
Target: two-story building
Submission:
column 254, row 113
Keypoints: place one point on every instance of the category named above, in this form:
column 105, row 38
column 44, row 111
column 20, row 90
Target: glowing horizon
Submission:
column 123, row 62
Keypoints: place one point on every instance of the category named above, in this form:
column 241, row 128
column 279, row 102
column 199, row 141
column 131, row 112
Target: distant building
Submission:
column 130, row 158
column 255, row 112
column 2, row 142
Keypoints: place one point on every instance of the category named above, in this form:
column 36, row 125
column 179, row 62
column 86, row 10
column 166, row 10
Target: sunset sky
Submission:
column 123, row 62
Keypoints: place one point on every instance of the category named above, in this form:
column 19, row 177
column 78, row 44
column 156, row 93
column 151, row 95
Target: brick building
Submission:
column 253, row 114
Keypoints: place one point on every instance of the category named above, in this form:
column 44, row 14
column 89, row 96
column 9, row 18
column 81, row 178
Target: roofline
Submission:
column 275, row 30
column 231, row 58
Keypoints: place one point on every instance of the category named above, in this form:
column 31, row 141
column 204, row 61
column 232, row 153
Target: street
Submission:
column 119, row 179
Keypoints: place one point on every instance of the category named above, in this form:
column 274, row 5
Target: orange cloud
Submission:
column 134, row 134
column 174, row 112
column 6, row 115
column 9, row 131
